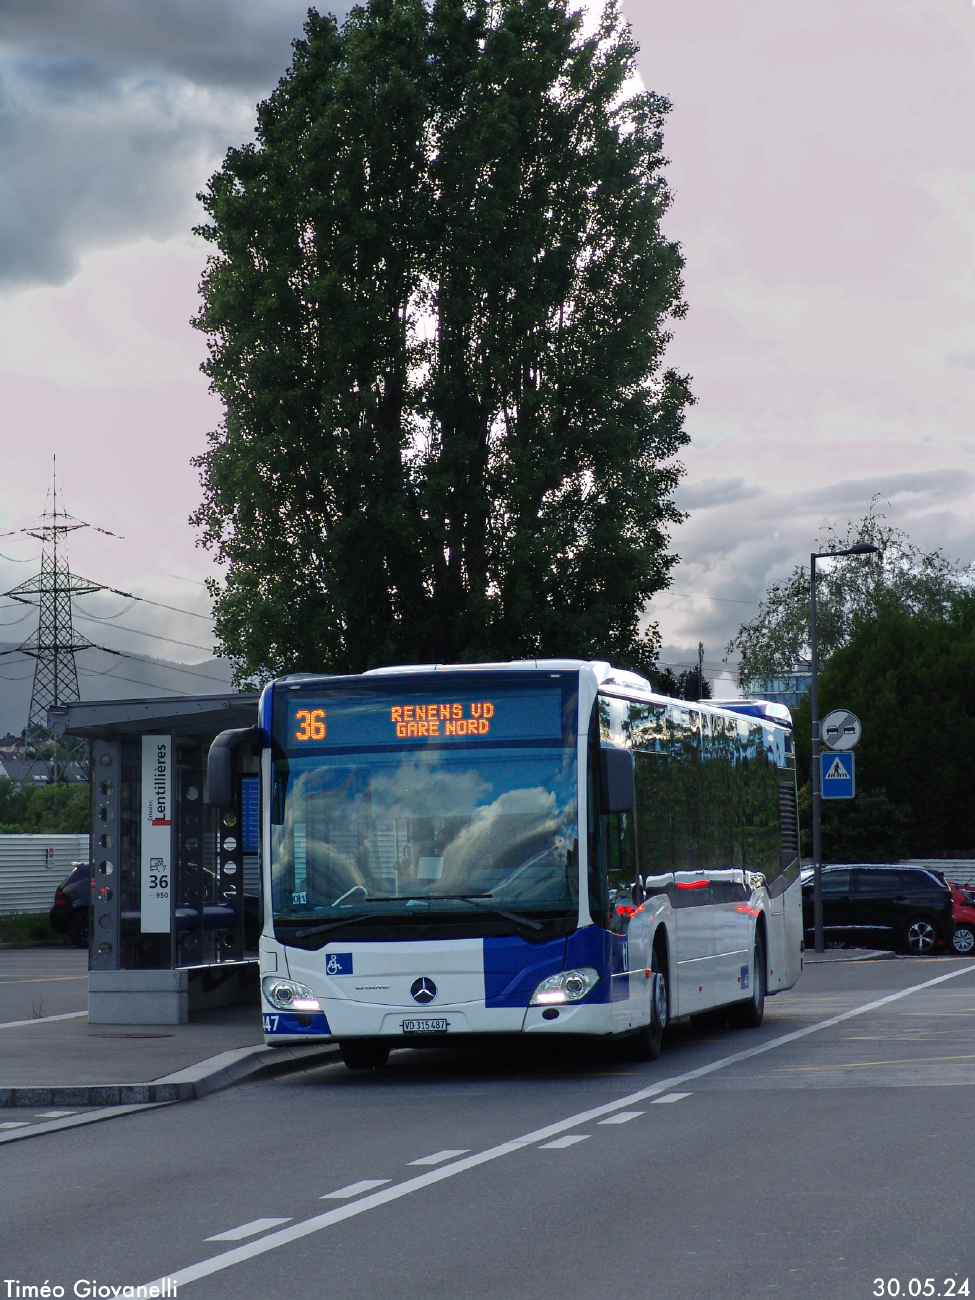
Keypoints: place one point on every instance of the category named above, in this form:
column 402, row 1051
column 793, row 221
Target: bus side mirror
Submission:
column 617, row 780
column 222, row 762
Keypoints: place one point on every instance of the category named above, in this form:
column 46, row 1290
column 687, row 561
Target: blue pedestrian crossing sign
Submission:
column 836, row 776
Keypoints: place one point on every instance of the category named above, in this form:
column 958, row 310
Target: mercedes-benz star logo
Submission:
column 423, row 990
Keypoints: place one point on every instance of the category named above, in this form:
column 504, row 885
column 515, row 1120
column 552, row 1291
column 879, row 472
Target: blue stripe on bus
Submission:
column 513, row 968
column 593, row 946
column 286, row 1022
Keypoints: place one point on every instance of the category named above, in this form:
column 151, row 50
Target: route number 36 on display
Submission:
column 918, row 1286
column 311, row 724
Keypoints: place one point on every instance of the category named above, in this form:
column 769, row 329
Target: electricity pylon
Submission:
column 55, row 643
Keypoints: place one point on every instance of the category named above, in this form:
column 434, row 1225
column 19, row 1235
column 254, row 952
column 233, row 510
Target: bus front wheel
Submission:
column 646, row 1043
column 363, row 1053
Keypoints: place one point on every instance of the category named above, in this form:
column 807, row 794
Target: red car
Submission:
column 963, row 910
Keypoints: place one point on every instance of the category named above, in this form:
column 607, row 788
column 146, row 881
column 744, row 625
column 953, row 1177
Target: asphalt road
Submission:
column 40, row 982
column 805, row 1159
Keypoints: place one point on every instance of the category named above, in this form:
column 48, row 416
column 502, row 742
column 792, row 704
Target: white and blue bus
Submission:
column 544, row 847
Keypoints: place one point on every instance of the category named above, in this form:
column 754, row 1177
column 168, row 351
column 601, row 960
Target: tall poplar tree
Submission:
column 436, row 310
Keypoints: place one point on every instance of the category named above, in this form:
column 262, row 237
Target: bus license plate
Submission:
column 425, row 1026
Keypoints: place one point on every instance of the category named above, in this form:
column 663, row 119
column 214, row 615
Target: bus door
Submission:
column 628, row 923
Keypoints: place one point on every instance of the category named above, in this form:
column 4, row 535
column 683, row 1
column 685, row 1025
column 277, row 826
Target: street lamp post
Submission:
column 861, row 548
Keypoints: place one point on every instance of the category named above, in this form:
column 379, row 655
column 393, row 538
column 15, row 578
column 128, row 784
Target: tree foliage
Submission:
column 685, row 685
column 910, row 678
column 436, row 314
column 849, row 591
column 56, row 809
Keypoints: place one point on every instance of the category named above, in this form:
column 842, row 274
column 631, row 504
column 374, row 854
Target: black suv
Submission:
column 69, row 915
column 881, row 907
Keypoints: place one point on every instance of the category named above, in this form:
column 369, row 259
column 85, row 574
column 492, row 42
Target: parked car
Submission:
column 963, row 907
column 69, row 915
column 906, row 908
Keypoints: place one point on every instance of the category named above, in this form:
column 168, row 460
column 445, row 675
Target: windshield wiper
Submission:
column 473, row 899
column 331, row 925
column 499, row 911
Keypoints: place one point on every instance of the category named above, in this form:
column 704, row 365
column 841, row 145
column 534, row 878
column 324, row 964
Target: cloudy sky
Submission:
column 822, row 165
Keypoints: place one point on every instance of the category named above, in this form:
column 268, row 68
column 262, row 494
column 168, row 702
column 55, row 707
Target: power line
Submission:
column 156, row 663
column 159, row 605
column 701, row 595
column 153, row 636
column 137, row 681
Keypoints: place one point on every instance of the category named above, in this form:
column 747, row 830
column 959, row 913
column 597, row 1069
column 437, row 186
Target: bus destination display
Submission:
column 351, row 720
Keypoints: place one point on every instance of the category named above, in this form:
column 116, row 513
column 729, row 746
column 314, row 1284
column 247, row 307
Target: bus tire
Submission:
column 749, row 1015
column 647, row 1043
column 363, row 1053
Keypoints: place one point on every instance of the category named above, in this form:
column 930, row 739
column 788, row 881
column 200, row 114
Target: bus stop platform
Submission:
column 62, row 1060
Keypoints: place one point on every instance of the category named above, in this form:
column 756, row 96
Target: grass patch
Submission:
column 27, row 928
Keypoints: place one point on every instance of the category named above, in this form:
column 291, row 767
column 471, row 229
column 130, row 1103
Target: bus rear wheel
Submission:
column 749, row 1015
column 363, row 1053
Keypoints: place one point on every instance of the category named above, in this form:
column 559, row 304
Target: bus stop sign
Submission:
column 841, row 729
column 836, row 776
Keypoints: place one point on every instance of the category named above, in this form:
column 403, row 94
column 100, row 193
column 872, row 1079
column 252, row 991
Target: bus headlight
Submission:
column 287, row 995
column 567, row 986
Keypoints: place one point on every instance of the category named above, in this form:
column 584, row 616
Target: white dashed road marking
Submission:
column 54, row 1114
column 20, row 1123
column 671, row 1096
column 318, row 1222
column 561, row 1142
column 439, row 1157
column 248, row 1230
column 623, row 1117
column 354, row 1189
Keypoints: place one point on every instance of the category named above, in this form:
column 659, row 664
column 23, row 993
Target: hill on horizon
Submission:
column 103, row 676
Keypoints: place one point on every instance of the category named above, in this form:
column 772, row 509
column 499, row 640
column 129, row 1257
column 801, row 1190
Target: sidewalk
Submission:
column 64, row 1060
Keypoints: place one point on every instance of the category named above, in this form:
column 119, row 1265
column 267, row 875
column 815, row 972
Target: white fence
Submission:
column 961, row 870
column 32, row 867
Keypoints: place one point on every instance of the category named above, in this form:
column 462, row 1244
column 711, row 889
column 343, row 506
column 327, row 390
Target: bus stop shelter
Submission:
column 175, row 884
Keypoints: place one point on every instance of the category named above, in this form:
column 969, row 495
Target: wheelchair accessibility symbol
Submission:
column 338, row 963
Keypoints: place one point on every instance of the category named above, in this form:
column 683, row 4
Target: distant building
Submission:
column 788, row 689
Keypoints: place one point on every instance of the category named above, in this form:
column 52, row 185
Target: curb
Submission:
column 14, row 944
column 241, row 1065
column 825, row 959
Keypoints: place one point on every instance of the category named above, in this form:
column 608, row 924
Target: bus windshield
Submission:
column 424, row 801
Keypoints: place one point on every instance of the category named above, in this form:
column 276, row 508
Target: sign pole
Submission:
column 861, row 548
column 816, row 790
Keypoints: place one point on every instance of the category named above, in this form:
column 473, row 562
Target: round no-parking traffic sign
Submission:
column 840, row 729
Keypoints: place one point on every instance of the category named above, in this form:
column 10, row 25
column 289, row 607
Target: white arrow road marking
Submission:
column 248, row 1229
column 285, row 1236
